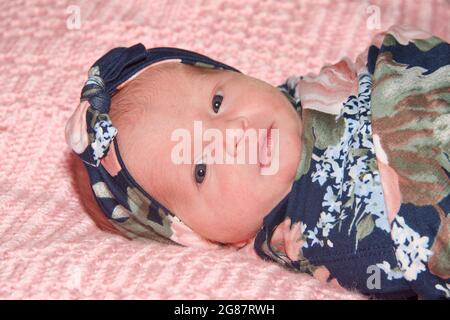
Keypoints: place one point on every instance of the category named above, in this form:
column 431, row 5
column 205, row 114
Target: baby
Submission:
column 343, row 175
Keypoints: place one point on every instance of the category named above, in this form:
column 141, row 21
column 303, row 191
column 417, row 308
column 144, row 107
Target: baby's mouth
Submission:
column 265, row 149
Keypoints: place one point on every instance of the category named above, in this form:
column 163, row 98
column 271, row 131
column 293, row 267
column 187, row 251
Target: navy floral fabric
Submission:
column 369, row 209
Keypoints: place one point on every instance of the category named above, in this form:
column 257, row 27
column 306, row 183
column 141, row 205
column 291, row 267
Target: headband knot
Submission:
column 94, row 91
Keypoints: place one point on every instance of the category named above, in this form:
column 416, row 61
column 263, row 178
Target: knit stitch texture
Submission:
column 49, row 247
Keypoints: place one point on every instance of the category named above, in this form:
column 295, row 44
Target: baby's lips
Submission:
column 75, row 131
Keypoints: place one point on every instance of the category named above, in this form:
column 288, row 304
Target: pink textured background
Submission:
column 49, row 247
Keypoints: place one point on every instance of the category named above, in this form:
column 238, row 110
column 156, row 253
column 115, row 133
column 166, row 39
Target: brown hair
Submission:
column 89, row 203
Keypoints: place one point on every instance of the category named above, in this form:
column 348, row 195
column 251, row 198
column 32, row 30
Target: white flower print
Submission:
column 325, row 223
column 330, row 201
column 445, row 289
column 411, row 249
column 302, row 230
column 312, row 235
column 321, row 173
column 362, row 189
column 390, row 273
column 321, row 231
column 377, row 209
column 360, row 193
column 104, row 133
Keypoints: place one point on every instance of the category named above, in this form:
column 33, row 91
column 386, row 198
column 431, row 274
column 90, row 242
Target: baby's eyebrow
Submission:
column 209, row 73
column 201, row 71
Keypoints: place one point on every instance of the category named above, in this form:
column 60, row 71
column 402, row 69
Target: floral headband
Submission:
column 90, row 133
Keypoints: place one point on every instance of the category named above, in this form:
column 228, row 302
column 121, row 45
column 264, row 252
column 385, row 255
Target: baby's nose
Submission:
column 234, row 132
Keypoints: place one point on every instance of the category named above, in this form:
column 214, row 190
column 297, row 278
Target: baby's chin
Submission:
column 238, row 233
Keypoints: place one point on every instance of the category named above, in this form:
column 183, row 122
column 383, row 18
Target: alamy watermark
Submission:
column 374, row 19
column 73, row 21
column 262, row 145
column 374, row 279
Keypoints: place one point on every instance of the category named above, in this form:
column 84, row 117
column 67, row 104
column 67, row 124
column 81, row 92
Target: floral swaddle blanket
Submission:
column 370, row 207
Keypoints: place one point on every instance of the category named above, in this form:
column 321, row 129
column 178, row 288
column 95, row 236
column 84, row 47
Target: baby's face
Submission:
column 224, row 202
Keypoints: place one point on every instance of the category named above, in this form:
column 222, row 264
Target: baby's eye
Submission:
column 200, row 172
column 217, row 101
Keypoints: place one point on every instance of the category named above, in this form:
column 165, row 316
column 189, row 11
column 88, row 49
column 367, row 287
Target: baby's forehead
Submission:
column 177, row 70
column 167, row 82
column 166, row 86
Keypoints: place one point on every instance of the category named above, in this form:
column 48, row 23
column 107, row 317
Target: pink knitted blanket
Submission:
column 49, row 247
